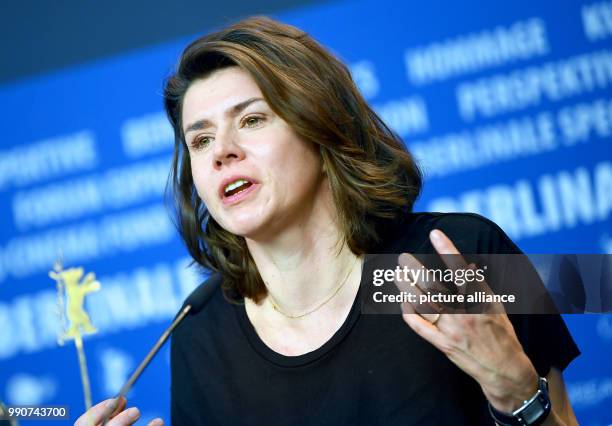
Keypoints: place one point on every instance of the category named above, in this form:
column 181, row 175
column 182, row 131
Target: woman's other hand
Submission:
column 117, row 415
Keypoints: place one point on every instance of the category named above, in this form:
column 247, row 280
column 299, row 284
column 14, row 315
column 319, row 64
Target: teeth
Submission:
column 235, row 185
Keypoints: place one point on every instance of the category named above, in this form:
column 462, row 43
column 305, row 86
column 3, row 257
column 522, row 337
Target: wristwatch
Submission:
column 533, row 411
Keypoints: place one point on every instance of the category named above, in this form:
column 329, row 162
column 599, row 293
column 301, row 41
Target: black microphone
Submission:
column 193, row 304
column 202, row 294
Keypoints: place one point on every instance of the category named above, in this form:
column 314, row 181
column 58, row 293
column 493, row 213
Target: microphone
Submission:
column 193, row 304
column 202, row 294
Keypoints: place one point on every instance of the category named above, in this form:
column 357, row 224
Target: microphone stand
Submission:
column 136, row 374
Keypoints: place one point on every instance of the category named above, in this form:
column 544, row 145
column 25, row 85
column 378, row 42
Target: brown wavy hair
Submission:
column 373, row 178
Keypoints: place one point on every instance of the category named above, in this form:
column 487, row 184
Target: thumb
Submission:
column 156, row 422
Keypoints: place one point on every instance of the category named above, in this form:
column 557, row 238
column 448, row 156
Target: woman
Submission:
column 284, row 179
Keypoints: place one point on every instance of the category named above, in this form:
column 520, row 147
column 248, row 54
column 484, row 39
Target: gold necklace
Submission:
column 336, row 291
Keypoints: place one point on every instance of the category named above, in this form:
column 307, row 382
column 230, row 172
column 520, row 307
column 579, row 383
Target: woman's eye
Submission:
column 252, row 121
column 201, row 141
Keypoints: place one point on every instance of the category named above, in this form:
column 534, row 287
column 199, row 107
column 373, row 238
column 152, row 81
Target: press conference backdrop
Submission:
column 508, row 106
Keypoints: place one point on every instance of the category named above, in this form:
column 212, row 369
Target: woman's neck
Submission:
column 303, row 266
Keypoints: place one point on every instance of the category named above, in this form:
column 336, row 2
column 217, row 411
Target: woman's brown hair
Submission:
column 373, row 178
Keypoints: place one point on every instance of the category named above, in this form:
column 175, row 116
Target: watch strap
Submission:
column 533, row 411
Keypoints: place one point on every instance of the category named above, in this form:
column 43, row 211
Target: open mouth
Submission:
column 236, row 187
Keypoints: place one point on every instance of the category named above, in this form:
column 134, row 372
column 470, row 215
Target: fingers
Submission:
column 454, row 260
column 416, row 287
column 444, row 246
column 127, row 417
column 430, row 295
column 424, row 328
column 156, row 422
column 442, row 243
column 421, row 325
column 408, row 309
column 121, row 403
column 100, row 411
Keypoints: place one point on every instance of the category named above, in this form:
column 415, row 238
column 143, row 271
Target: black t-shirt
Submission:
column 374, row 370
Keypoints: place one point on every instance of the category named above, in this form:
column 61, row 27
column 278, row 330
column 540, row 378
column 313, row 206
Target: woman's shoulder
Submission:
column 470, row 232
column 209, row 309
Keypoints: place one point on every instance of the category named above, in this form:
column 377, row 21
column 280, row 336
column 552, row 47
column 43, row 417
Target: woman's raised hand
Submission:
column 485, row 345
column 114, row 410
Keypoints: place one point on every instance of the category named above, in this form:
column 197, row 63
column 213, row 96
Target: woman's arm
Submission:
column 562, row 412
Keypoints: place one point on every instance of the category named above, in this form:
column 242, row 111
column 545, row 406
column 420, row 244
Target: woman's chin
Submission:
column 246, row 229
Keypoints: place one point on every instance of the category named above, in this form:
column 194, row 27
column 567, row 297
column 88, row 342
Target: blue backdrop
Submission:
column 507, row 105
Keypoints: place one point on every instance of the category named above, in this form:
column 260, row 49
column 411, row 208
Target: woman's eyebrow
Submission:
column 238, row 108
column 232, row 111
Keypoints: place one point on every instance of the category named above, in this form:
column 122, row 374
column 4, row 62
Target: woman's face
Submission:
column 255, row 175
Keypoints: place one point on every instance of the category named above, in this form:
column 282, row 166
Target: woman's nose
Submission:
column 226, row 148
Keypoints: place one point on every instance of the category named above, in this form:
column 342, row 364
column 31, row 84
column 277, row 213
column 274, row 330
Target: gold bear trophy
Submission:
column 72, row 288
